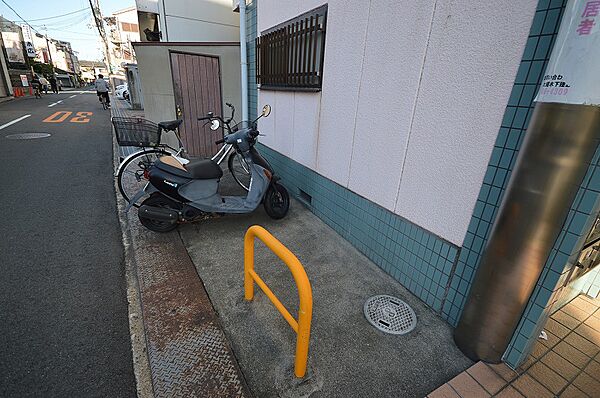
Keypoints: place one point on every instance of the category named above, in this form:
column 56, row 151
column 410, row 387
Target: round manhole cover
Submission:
column 27, row 136
column 390, row 314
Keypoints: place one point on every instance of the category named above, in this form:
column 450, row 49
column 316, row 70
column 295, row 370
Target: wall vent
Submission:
column 304, row 197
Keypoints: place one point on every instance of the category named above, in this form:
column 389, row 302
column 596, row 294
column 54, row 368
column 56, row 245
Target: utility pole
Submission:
column 98, row 20
column 49, row 53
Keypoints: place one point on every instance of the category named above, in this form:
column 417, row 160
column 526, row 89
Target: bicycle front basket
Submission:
column 132, row 131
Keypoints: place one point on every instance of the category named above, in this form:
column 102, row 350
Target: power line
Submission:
column 58, row 16
column 17, row 14
column 96, row 13
column 72, row 31
column 70, row 39
column 65, row 25
column 64, row 22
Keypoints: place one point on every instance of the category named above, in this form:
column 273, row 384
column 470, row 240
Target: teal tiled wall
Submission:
column 512, row 131
column 549, row 293
column 433, row 269
column 592, row 286
column 419, row 260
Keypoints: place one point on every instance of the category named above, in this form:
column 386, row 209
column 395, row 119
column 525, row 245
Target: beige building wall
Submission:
column 123, row 33
column 157, row 80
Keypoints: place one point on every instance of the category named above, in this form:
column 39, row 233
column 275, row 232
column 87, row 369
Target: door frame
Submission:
column 181, row 52
column 218, row 57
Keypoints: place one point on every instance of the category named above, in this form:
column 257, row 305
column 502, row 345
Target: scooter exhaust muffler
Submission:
column 157, row 213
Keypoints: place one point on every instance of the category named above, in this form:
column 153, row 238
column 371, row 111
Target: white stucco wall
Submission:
column 199, row 20
column 412, row 100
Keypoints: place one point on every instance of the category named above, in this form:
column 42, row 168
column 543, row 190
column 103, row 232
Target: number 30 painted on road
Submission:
column 61, row 116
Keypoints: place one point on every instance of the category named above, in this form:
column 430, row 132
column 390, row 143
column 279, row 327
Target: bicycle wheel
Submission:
column 133, row 173
column 240, row 170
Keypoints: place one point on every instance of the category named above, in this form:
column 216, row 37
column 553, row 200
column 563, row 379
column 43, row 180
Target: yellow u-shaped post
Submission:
column 300, row 326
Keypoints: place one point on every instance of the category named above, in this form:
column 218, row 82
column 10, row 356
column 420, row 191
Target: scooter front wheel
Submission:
column 240, row 170
column 160, row 201
column 276, row 201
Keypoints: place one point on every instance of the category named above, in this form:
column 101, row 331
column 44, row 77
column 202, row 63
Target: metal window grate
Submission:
column 290, row 56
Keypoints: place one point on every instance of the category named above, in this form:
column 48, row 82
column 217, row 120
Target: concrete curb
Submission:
column 179, row 346
column 141, row 364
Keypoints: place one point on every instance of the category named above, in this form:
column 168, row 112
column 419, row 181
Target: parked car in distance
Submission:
column 121, row 91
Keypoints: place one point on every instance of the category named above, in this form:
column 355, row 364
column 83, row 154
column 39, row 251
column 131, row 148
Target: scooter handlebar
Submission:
column 220, row 141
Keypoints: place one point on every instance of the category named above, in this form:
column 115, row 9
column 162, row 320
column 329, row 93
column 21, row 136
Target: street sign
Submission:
column 572, row 73
column 13, row 46
column 30, row 49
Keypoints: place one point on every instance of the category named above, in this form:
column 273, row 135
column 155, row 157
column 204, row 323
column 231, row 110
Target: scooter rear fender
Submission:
column 148, row 189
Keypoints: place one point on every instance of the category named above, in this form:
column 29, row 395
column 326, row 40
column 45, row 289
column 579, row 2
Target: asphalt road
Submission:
column 63, row 308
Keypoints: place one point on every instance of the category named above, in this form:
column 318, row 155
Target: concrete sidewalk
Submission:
column 180, row 349
column 348, row 357
column 565, row 364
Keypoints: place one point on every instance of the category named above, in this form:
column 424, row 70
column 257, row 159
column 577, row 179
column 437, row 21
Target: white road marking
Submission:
column 56, row 103
column 75, row 95
column 14, row 121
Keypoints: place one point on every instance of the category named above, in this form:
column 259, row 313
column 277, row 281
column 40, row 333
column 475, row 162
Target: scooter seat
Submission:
column 170, row 125
column 204, row 169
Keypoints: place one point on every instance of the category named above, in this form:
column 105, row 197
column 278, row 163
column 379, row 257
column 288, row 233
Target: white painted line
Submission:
column 75, row 95
column 56, row 103
column 14, row 121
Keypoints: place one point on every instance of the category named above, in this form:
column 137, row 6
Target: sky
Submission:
column 77, row 28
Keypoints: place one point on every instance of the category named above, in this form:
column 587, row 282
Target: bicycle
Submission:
column 36, row 90
column 104, row 102
column 132, row 173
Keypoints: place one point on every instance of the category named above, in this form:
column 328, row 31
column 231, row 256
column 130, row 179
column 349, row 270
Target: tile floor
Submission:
column 567, row 364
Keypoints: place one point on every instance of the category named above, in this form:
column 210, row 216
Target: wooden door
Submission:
column 197, row 89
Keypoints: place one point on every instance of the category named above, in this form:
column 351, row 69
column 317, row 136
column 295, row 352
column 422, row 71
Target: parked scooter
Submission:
column 189, row 192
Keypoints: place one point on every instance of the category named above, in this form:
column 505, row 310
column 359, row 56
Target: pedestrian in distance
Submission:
column 53, row 84
column 102, row 88
column 44, row 82
column 35, row 84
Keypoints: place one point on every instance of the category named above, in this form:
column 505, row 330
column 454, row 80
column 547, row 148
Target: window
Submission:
column 290, row 56
column 129, row 27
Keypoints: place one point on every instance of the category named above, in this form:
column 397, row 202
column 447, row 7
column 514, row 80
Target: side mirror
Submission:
column 266, row 111
column 209, row 114
column 214, row 124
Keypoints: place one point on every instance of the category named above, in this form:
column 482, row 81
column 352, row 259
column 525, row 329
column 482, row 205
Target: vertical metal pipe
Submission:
column 244, row 60
column 560, row 142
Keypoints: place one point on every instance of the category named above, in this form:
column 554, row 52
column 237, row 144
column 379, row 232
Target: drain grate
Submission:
column 390, row 314
column 27, row 136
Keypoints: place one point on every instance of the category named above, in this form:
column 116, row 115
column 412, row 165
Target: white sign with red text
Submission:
column 572, row 76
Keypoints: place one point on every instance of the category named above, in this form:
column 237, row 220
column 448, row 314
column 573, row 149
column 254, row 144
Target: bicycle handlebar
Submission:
column 225, row 123
column 232, row 113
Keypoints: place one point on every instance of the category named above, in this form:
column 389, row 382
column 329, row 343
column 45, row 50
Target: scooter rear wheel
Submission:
column 276, row 201
column 158, row 200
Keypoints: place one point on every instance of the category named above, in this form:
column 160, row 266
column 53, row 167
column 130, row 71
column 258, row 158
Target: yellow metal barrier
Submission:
column 302, row 325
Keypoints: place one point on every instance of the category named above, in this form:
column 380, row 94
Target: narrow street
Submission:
column 63, row 318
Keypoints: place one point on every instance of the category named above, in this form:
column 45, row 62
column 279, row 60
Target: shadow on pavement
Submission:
column 348, row 357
